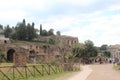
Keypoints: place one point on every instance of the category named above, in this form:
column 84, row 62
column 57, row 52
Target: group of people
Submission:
column 100, row 60
column 114, row 60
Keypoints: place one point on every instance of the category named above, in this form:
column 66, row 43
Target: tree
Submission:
column 1, row 26
column 41, row 29
column 103, row 47
column 24, row 22
column 29, row 29
column 1, row 29
column 44, row 33
column 106, row 54
column 13, row 36
column 58, row 33
column 90, row 49
column 51, row 32
column 78, row 50
column 31, row 33
column 34, row 33
column 21, row 31
column 7, row 31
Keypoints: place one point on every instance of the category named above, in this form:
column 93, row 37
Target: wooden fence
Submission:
column 24, row 72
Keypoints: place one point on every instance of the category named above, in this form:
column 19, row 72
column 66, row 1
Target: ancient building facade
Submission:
column 67, row 40
column 15, row 54
column 114, row 50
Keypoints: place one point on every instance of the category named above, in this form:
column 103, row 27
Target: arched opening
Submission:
column 5, row 41
column 10, row 53
column 32, row 53
column 45, row 49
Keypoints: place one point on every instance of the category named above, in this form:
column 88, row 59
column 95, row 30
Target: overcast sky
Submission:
column 96, row 20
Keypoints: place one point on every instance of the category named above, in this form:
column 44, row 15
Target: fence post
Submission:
column 13, row 73
column 56, row 68
column 48, row 69
column 42, row 70
column 34, row 70
column 25, row 71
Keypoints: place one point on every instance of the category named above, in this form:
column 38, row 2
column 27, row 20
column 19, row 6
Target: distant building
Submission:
column 114, row 50
column 62, row 40
column 2, row 38
column 67, row 40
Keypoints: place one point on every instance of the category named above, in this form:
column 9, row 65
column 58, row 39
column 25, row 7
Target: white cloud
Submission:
column 58, row 23
column 80, row 2
column 21, row 4
column 101, row 30
column 10, row 14
column 114, row 7
column 88, row 19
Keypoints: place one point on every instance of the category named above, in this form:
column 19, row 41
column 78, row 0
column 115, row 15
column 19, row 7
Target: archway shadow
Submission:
column 10, row 54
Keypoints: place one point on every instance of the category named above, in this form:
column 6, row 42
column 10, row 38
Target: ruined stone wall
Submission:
column 45, row 53
column 20, row 59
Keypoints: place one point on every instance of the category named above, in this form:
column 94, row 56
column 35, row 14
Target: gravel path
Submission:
column 96, row 72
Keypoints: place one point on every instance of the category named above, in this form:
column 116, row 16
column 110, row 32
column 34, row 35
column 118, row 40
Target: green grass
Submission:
column 6, row 64
column 28, row 42
column 49, row 77
column 53, row 75
column 117, row 67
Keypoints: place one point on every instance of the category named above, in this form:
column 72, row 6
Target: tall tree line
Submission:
column 21, row 31
column 44, row 32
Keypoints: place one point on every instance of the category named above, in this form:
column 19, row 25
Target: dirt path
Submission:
column 83, row 74
column 96, row 72
column 104, row 72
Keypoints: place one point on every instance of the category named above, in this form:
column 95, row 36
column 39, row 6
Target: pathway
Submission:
column 96, row 72
column 104, row 72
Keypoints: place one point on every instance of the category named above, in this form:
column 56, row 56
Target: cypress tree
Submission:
column 40, row 29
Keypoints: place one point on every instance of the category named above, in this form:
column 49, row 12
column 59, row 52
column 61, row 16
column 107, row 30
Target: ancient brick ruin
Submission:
column 20, row 58
column 21, row 54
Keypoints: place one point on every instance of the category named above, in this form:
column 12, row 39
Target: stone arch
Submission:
column 10, row 54
column 5, row 41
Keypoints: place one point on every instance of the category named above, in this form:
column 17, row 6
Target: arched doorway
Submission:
column 10, row 53
column 5, row 41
